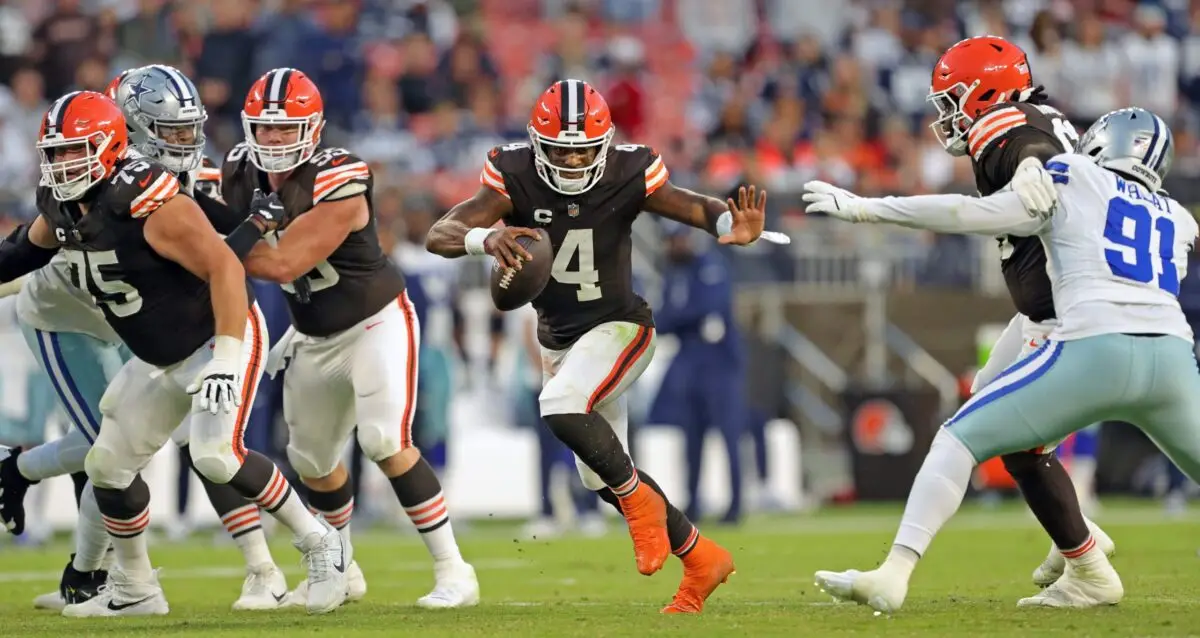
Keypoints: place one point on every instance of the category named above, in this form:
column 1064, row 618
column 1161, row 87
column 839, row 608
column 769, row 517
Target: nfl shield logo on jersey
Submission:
column 572, row 210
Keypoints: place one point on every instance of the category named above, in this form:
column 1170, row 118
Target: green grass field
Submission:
column 968, row 585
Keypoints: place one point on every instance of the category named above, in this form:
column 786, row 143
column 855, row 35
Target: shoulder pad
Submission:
column 140, row 187
column 337, row 174
column 992, row 125
column 639, row 160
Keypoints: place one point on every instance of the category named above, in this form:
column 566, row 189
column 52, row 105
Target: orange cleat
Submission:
column 704, row 568
column 646, row 513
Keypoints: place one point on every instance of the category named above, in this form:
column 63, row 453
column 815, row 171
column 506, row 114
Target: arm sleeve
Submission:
column 241, row 240
column 999, row 214
column 19, row 256
column 223, row 219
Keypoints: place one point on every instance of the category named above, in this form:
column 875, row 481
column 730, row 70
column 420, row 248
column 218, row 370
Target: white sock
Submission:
column 55, row 458
column 432, row 520
column 936, row 493
column 279, row 499
column 91, row 536
column 244, row 525
column 129, row 543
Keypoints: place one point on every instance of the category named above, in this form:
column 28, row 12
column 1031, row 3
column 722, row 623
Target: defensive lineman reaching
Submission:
column 177, row 296
column 596, row 334
column 81, row 354
column 353, row 348
column 1117, row 248
column 989, row 110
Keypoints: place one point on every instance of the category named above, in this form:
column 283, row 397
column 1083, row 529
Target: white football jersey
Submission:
column 50, row 302
column 1116, row 253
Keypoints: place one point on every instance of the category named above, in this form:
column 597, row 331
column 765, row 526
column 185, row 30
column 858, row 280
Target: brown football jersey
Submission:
column 161, row 311
column 591, row 278
column 997, row 142
column 357, row 280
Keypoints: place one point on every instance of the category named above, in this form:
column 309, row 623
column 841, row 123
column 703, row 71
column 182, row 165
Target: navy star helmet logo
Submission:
column 137, row 90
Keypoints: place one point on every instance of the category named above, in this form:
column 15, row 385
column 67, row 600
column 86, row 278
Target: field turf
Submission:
column 967, row 586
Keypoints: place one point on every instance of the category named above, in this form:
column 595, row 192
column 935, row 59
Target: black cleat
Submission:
column 13, row 487
column 78, row 587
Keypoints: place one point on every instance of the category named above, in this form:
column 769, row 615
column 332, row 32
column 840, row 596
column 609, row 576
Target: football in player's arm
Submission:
column 467, row 227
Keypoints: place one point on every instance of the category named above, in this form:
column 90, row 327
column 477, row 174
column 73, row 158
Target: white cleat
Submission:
column 356, row 588
column 455, row 585
column 1091, row 585
column 876, row 589
column 1052, row 568
column 326, row 557
column 52, row 601
column 121, row 596
column 264, row 589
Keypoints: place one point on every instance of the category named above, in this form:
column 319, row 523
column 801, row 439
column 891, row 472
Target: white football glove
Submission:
column 823, row 197
column 219, row 384
column 1035, row 187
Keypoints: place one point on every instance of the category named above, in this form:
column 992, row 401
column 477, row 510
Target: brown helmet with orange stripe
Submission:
column 282, row 118
column 970, row 77
column 571, row 129
column 82, row 138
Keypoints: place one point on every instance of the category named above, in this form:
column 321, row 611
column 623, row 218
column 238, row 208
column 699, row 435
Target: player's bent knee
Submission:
column 104, row 469
column 378, row 443
column 590, row 479
column 218, row 466
column 308, row 466
column 1021, row 463
column 561, row 396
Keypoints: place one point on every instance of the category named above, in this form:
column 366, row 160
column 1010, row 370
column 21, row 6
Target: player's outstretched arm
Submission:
column 739, row 222
column 27, row 248
column 467, row 229
column 179, row 231
column 1022, row 209
column 309, row 240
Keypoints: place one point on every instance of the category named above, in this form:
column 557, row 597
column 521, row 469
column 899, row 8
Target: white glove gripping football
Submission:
column 823, row 197
column 219, row 383
column 1035, row 187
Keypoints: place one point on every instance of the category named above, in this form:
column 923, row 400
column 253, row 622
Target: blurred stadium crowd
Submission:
column 772, row 91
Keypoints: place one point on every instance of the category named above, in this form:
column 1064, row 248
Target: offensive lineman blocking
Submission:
column 354, row 342
column 177, row 296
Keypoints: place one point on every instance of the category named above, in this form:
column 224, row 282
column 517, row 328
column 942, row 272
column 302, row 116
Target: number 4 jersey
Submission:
column 591, row 279
column 357, row 280
column 1117, row 252
column 161, row 311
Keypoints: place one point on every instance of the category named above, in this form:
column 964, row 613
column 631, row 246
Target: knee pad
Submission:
column 216, row 463
column 104, row 469
column 308, row 466
column 377, row 443
column 561, row 395
column 589, row 478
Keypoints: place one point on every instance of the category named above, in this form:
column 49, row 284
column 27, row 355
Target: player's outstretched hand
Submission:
column 823, row 197
column 1035, row 186
column 503, row 245
column 12, row 491
column 749, row 216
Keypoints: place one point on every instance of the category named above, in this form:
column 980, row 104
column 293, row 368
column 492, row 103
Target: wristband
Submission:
column 724, row 224
column 227, row 348
column 474, row 239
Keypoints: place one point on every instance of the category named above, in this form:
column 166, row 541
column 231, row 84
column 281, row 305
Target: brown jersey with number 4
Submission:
column 591, row 280
column 357, row 280
column 159, row 309
column 997, row 141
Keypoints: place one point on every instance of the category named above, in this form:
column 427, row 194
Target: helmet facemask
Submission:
column 70, row 179
column 280, row 158
column 570, row 180
column 952, row 123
